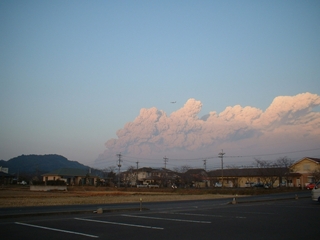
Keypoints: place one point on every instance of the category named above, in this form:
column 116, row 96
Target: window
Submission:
column 306, row 167
column 310, row 179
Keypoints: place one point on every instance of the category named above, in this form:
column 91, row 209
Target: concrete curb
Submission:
column 70, row 212
column 238, row 201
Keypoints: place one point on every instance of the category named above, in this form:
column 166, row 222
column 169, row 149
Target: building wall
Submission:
column 5, row 170
column 51, row 178
column 240, row 181
column 305, row 167
column 72, row 181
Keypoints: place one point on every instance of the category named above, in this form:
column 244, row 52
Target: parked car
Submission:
column 267, row 185
column 250, row 184
column 142, row 185
column 22, row 183
column 310, row 186
column 258, row 185
column 315, row 192
column 283, row 184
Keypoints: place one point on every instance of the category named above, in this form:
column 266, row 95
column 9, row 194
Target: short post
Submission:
column 140, row 204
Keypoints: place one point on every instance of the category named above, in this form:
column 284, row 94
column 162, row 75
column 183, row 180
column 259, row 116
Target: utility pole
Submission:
column 205, row 164
column 165, row 162
column 221, row 156
column 165, row 167
column 119, row 165
column 137, row 172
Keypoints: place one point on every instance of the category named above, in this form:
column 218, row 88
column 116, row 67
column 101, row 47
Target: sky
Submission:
column 91, row 79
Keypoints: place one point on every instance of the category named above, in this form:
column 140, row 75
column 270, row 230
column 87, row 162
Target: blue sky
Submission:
column 72, row 73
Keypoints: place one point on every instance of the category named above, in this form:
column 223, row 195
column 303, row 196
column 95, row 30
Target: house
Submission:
column 5, row 178
column 71, row 176
column 299, row 174
column 247, row 177
column 5, row 170
column 304, row 171
column 197, row 177
column 149, row 176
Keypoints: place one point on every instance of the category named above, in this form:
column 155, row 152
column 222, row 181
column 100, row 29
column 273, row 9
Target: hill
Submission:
column 39, row 163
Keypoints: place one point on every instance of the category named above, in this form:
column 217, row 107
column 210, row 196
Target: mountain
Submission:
column 39, row 163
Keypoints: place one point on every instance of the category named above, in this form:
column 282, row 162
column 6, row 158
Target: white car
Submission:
column 315, row 192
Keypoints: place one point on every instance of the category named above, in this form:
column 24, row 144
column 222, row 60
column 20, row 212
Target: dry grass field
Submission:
column 19, row 196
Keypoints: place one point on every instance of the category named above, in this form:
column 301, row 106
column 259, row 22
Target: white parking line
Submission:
column 117, row 223
column 57, row 230
column 168, row 219
column 201, row 215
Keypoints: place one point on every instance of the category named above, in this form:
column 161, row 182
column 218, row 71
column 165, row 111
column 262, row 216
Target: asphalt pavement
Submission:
column 80, row 209
column 276, row 216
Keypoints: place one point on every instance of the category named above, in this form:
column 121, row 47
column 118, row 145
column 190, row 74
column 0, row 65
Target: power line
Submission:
column 193, row 160
column 227, row 156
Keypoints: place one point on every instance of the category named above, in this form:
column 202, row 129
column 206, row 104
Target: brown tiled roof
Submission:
column 159, row 178
column 196, row 171
column 247, row 172
column 293, row 174
column 315, row 159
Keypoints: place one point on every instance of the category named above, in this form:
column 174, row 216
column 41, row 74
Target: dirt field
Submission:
column 19, row 196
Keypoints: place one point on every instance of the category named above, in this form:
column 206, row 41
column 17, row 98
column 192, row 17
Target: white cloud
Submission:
column 288, row 120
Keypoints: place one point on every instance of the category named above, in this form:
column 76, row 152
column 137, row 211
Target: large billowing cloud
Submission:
column 289, row 120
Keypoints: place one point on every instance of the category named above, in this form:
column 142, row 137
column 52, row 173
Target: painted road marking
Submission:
column 55, row 229
column 117, row 223
column 168, row 219
column 202, row 215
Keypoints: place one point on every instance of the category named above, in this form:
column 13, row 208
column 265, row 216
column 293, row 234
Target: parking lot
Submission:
column 287, row 219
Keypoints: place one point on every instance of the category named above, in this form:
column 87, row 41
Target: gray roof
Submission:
column 68, row 172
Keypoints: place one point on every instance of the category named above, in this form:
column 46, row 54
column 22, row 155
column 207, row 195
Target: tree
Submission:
column 316, row 175
column 185, row 179
column 232, row 167
column 272, row 171
column 284, row 162
column 130, row 178
column 182, row 169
